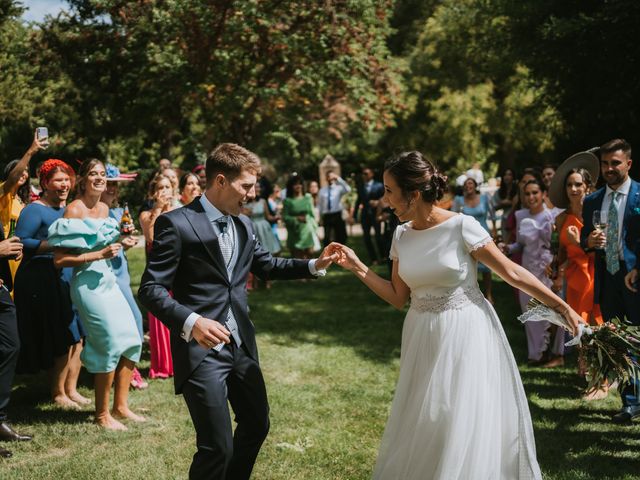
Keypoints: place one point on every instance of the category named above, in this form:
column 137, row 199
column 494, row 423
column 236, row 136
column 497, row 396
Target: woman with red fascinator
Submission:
column 50, row 333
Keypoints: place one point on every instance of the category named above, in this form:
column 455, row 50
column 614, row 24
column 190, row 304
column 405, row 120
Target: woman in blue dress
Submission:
column 87, row 240
column 50, row 333
column 258, row 211
column 477, row 205
column 120, row 264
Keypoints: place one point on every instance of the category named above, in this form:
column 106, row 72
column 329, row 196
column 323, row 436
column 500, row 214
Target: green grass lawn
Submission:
column 329, row 351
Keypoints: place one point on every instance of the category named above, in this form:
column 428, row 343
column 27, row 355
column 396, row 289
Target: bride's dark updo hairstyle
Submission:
column 413, row 172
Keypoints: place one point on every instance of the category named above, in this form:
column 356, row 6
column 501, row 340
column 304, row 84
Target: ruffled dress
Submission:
column 459, row 410
column 104, row 311
column 533, row 238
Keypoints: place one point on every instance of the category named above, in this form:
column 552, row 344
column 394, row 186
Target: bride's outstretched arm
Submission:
column 519, row 277
column 395, row 292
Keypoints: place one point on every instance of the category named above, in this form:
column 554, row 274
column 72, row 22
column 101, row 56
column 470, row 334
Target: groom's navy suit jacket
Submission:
column 186, row 260
column 629, row 234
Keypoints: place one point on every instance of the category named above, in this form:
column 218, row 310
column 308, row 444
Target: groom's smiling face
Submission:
column 235, row 193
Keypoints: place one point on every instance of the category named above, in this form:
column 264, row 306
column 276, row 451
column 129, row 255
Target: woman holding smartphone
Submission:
column 87, row 239
column 161, row 194
column 14, row 192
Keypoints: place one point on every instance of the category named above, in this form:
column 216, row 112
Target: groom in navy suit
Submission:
column 619, row 206
column 202, row 253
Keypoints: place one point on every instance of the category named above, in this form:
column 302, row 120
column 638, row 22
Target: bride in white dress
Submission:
column 459, row 411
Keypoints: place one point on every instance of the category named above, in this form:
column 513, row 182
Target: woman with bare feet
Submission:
column 50, row 332
column 86, row 240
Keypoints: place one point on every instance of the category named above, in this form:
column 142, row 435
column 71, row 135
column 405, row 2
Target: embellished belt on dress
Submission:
column 456, row 299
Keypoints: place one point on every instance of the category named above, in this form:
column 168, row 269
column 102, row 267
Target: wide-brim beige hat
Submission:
column 557, row 190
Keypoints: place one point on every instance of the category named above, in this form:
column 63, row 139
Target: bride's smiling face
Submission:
column 402, row 206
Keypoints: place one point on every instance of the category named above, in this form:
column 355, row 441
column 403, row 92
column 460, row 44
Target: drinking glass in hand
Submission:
column 599, row 224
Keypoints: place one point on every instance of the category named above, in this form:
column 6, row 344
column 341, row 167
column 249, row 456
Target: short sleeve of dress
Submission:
column 473, row 234
column 393, row 251
column 83, row 234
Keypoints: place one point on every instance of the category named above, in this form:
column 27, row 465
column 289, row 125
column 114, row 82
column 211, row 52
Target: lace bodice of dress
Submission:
column 436, row 263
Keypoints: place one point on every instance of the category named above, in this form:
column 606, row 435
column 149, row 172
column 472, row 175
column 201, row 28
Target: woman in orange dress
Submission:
column 575, row 267
column 577, row 177
column 162, row 196
column 579, row 269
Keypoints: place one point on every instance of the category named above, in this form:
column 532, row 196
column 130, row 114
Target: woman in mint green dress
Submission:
column 86, row 239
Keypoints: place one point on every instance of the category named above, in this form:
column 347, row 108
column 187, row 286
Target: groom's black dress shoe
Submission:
column 626, row 415
column 8, row 434
column 5, row 453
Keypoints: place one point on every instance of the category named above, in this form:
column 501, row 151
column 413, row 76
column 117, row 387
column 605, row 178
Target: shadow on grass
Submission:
column 31, row 402
column 336, row 310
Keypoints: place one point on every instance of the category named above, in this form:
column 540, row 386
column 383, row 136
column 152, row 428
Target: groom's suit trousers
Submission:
column 232, row 374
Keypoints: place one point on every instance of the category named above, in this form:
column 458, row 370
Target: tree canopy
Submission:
column 502, row 82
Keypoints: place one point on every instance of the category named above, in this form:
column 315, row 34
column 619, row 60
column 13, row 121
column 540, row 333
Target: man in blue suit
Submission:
column 369, row 194
column 619, row 204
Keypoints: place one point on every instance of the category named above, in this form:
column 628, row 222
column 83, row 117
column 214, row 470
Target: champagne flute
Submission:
column 599, row 223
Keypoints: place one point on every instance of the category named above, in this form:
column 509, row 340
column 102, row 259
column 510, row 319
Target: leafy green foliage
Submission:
column 174, row 78
column 587, row 54
column 469, row 100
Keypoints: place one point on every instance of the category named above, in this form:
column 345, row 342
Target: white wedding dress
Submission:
column 459, row 410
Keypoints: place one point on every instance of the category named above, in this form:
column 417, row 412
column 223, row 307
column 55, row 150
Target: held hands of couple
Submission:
column 328, row 256
column 344, row 256
column 209, row 333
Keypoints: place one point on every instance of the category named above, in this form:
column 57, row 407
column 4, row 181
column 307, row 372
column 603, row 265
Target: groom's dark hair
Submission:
column 230, row 159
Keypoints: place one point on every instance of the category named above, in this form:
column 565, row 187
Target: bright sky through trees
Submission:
column 37, row 9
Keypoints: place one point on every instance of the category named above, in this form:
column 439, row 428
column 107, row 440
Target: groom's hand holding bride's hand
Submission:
column 209, row 333
column 346, row 257
column 326, row 258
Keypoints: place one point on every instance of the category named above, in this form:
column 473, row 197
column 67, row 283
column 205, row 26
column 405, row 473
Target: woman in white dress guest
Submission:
column 459, row 410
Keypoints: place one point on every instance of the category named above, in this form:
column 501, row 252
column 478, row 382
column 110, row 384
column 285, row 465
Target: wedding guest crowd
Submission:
column 68, row 272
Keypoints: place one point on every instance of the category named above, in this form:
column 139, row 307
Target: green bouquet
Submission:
column 610, row 352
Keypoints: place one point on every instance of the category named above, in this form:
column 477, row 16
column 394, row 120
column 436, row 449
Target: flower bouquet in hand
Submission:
column 610, row 351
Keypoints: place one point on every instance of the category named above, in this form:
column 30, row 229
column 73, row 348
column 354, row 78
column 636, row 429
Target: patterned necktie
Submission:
column 225, row 241
column 611, row 250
